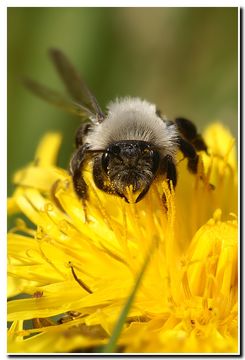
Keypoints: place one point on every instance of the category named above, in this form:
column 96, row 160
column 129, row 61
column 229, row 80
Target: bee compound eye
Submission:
column 148, row 153
column 115, row 149
column 105, row 161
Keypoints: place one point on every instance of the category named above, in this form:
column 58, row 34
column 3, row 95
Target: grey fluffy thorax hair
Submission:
column 133, row 119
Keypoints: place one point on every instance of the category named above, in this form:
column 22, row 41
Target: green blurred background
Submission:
column 182, row 59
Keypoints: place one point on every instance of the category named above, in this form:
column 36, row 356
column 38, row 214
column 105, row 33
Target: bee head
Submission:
column 130, row 164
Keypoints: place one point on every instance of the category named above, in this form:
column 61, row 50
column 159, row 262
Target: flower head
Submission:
column 77, row 271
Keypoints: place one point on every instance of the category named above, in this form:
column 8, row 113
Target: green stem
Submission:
column 111, row 346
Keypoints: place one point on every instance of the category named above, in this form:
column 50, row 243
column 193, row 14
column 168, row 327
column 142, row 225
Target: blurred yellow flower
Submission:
column 77, row 275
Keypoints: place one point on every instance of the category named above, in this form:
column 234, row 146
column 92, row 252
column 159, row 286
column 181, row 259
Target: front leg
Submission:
column 167, row 167
column 76, row 164
column 100, row 179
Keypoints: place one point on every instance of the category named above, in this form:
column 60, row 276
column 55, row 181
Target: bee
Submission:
column 129, row 145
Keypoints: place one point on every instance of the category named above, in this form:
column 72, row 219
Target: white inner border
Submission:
column 4, row 4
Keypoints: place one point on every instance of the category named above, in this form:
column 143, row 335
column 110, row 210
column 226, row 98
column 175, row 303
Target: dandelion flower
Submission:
column 75, row 275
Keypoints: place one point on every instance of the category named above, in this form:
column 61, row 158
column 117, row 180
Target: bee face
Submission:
column 130, row 163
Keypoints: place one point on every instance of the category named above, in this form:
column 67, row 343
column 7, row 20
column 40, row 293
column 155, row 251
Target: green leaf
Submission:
column 111, row 346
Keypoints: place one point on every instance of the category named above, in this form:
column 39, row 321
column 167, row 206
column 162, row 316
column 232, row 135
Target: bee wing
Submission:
column 57, row 99
column 75, row 85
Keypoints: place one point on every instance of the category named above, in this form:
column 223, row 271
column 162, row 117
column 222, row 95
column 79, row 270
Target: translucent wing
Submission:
column 75, row 86
column 57, row 99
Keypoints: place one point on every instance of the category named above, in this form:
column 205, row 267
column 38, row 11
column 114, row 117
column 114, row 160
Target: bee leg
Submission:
column 167, row 167
column 172, row 173
column 189, row 131
column 189, row 151
column 76, row 164
column 186, row 128
column 200, row 144
column 99, row 178
column 80, row 186
column 81, row 132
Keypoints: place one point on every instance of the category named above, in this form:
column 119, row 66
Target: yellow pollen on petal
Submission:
column 76, row 264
